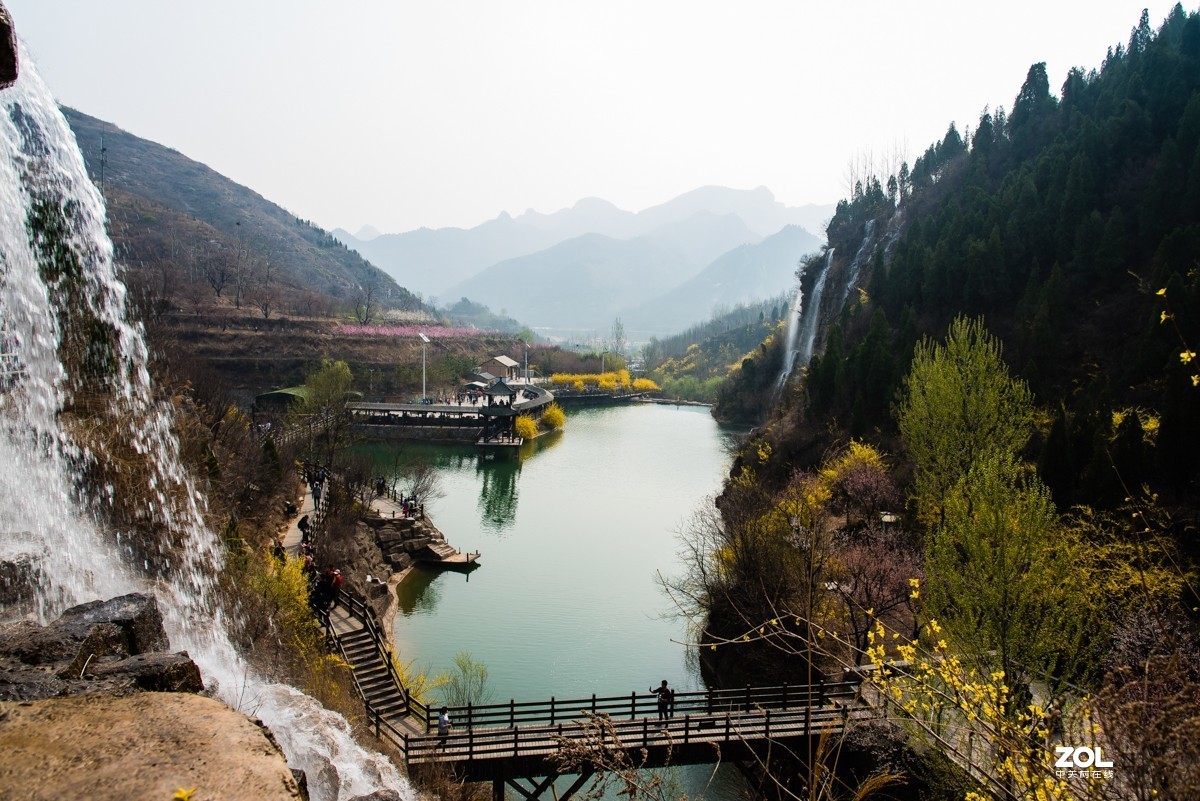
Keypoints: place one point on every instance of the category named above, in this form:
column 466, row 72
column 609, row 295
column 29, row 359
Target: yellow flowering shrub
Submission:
column 525, row 426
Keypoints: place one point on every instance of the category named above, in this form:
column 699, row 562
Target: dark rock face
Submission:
column 17, row 581
column 8, row 50
column 156, row 673
column 112, row 646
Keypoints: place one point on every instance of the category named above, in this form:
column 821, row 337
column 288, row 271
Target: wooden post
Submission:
column 727, row 727
column 552, row 710
column 470, row 714
column 593, row 703
column 686, row 725
column 632, row 706
column 512, row 711
column 785, row 699
column 767, row 730
column 497, row 789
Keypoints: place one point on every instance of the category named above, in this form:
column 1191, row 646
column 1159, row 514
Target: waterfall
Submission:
column 791, row 328
column 863, row 252
column 801, row 326
column 44, row 520
column 812, row 312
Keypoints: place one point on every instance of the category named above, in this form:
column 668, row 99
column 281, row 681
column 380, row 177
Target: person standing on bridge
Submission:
column 444, row 726
column 666, row 700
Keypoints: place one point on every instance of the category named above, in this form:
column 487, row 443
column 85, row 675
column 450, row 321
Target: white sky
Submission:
column 435, row 113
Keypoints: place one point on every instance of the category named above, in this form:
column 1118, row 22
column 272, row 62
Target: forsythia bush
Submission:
column 645, row 385
column 525, row 427
column 610, row 380
column 553, row 417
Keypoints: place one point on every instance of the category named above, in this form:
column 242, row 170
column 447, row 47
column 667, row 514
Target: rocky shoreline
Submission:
column 383, row 553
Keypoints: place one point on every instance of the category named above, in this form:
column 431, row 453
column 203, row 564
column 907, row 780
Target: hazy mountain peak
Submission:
column 367, row 233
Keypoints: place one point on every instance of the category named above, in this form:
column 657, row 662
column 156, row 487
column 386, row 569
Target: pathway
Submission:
column 291, row 537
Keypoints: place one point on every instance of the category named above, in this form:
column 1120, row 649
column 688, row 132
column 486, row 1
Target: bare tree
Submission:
column 265, row 294
column 617, row 343
column 216, row 270
column 366, row 303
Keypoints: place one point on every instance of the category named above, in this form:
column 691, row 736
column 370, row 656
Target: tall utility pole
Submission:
column 424, row 342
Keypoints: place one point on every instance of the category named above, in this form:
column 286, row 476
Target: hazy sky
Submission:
column 404, row 114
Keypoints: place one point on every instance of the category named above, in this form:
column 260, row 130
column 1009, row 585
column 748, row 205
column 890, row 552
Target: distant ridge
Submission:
column 434, row 260
column 748, row 273
column 583, row 282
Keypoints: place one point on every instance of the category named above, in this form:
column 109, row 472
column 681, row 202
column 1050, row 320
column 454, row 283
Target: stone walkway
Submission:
column 291, row 537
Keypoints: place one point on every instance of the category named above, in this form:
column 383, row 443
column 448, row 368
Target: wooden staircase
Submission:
column 371, row 675
column 354, row 633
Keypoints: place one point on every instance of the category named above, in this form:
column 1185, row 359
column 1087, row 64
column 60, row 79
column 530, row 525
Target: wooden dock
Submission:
column 443, row 557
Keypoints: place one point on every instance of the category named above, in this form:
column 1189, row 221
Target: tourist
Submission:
column 666, row 700
column 320, row 592
column 303, row 525
column 335, row 585
column 444, row 726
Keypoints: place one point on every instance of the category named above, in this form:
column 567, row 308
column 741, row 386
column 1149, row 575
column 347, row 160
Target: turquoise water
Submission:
column 574, row 535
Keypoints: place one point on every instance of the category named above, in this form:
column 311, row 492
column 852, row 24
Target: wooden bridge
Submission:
column 514, row 742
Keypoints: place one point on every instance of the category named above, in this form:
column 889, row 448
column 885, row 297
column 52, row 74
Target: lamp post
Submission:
column 424, row 342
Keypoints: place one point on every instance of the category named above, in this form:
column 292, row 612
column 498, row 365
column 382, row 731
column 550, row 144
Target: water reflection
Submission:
column 498, row 492
column 419, row 593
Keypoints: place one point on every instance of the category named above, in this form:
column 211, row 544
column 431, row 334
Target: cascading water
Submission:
column 791, row 330
column 45, row 522
column 800, row 331
column 861, row 255
column 812, row 312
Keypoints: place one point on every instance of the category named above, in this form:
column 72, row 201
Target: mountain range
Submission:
column 662, row 269
column 667, row 266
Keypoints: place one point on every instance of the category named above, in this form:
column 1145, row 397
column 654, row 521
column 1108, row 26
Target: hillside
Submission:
column 1071, row 225
column 189, row 234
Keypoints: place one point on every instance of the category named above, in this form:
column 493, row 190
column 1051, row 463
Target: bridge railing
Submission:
column 644, row 705
column 682, row 730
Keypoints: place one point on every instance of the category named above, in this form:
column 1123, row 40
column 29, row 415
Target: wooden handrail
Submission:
column 635, row 705
column 641, row 733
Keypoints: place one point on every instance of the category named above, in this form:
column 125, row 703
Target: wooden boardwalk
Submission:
column 507, row 742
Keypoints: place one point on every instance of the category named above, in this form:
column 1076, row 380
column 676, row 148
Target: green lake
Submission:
column 574, row 534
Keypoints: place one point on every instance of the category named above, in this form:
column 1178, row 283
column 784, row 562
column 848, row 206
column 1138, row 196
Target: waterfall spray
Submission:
column 47, row 518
